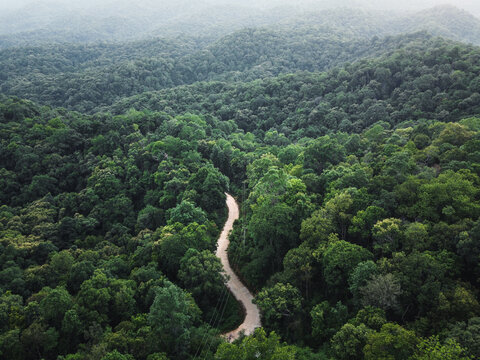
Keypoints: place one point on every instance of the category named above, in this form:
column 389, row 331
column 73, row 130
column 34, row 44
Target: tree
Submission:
column 54, row 305
column 316, row 228
column 79, row 272
column 157, row 356
column 387, row 235
column 299, row 265
column 202, row 274
column 373, row 318
column 323, row 152
column 467, row 334
column 349, row 341
column 258, row 168
column 468, row 247
column 171, row 317
column 339, row 261
column 71, row 331
column 416, row 237
column 95, row 297
column 11, row 311
column 210, row 187
column 186, row 213
column 391, row 342
column 149, row 218
column 381, row 291
column 364, row 220
column 123, row 304
column 339, row 209
column 115, row 355
column 10, row 345
column 450, row 197
column 271, row 225
column 362, row 273
column 42, row 185
column 41, row 339
column 279, row 305
column 421, row 276
column 256, row 346
column 327, row 320
column 433, row 349
column 173, row 241
column 455, row 134
column 289, row 154
column 62, row 263
column 399, row 166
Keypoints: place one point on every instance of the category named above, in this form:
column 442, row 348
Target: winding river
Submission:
column 240, row 291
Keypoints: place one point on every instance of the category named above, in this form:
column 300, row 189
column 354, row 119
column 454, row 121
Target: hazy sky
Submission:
column 470, row 5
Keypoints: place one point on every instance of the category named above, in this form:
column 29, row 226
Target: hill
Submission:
column 433, row 79
column 86, row 77
column 447, row 21
column 41, row 23
column 351, row 147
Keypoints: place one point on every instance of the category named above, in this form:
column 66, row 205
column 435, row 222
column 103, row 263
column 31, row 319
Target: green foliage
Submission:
column 326, row 319
column 468, row 334
column 355, row 91
column 339, row 261
column 115, row 355
column 359, row 189
column 363, row 221
column 391, row 342
column 171, row 318
column 349, row 341
column 186, row 213
column 54, row 305
column 202, row 274
column 373, row 318
column 323, row 152
column 280, row 306
column 432, row 349
column 259, row 345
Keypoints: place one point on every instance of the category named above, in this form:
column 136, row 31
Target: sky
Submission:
column 469, row 5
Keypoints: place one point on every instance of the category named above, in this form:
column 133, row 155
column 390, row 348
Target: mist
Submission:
column 25, row 22
column 469, row 5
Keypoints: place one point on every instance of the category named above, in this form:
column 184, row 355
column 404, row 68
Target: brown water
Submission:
column 240, row 291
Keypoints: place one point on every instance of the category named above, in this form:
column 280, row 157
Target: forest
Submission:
column 354, row 158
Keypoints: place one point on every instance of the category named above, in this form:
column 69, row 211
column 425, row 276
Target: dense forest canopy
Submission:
column 85, row 78
column 423, row 80
column 350, row 139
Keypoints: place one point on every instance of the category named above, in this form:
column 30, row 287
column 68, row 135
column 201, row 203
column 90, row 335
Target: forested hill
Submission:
column 436, row 79
column 354, row 157
column 108, row 226
column 85, row 78
column 447, row 21
column 66, row 58
column 120, row 21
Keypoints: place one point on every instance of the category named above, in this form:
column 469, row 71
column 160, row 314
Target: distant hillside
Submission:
column 39, row 24
column 447, row 21
column 434, row 80
column 63, row 58
column 86, row 77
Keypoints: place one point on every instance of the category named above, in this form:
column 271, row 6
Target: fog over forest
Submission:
column 25, row 22
column 469, row 5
